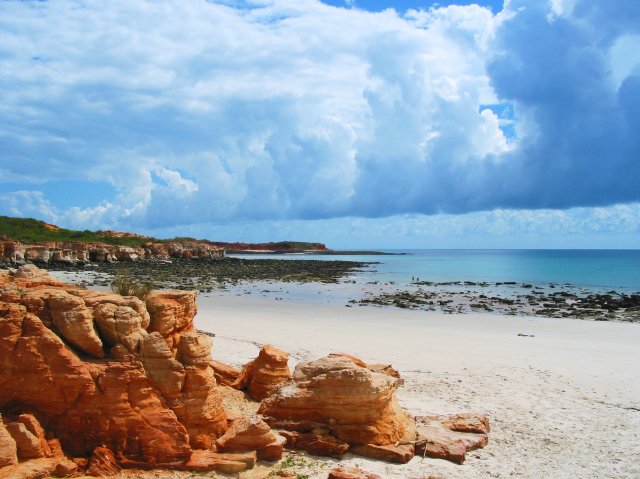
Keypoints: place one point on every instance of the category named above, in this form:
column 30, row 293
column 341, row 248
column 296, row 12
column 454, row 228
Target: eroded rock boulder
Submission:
column 8, row 448
column 251, row 434
column 451, row 437
column 351, row 402
column 263, row 375
column 28, row 444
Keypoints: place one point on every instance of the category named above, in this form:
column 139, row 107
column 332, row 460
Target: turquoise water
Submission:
column 597, row 269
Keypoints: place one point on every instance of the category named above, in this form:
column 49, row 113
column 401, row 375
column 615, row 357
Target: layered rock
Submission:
column 225, row 375
column 200, row 407
column 350, row 402
column 265, row 374
column 171, row 314
column 102, row 463
column 252, row 434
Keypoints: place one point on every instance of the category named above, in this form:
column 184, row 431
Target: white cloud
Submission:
column 201, row 111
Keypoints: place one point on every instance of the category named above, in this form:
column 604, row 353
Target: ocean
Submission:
column 531, row 282
column 592, row 269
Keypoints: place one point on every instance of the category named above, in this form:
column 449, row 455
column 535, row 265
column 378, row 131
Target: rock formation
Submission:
column 117, row 382
column 264, row 374
column 348, row 401
column 85, row 365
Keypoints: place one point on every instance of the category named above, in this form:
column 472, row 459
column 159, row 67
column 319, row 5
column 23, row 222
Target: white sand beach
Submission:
column 563, row 403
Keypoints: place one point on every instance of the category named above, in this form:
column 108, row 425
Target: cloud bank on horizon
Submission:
column 172, row 113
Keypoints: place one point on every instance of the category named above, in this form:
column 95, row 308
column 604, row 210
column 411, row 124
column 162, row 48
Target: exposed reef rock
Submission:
column 264, row 374
column 350, row 402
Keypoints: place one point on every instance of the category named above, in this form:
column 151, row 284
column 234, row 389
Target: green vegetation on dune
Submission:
column 29, row 230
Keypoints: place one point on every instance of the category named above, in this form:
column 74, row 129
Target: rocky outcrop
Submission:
column 350, row 402
column 451, row 437
column 264, row 374
column 15, row 252
column 130, row 395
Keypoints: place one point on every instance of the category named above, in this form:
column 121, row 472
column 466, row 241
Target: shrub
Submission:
column 126, row 285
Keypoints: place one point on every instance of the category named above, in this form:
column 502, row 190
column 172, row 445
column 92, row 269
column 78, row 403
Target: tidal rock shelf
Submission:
column 206, row 274
column 510, row 298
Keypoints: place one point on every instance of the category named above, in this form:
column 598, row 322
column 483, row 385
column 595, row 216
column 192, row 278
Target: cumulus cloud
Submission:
column 198, row 111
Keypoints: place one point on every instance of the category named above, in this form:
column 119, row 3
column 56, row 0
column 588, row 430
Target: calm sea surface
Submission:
column 597, row 269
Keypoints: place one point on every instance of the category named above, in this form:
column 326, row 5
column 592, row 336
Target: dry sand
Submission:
column 564, row 403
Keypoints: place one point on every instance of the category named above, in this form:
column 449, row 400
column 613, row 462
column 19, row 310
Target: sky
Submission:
column 360, row 124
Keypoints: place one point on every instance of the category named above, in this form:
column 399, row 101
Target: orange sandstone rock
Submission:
column 34, row 427
column 451, row 437
column 86, row 404
column 8, row 448
column 251, row 434
column 44, row 467
column 204, row 461
column 225, row 375
column 316, row 444
column 353, row 403
column 28, row 444
column 264, row 374
column 172, row 314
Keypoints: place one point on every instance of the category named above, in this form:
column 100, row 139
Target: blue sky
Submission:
column 360, row 124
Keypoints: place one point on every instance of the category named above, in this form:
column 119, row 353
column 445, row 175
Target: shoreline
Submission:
column 568, row 395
